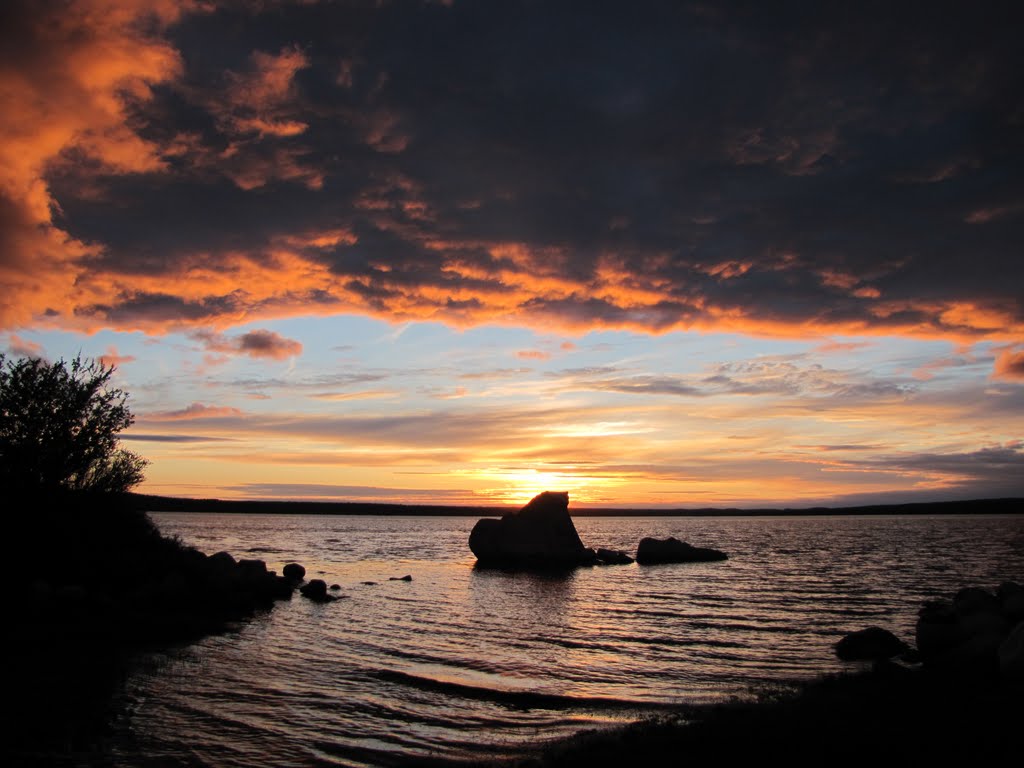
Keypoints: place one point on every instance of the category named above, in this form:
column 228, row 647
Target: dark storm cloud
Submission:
column 257, row 344
column 783, row 168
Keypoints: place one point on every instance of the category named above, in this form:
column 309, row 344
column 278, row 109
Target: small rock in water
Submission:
column 294, row 572
column 316, row 590
column 672, row 550
column 335, row 587
column 407, row 577
column 612, row 557
column 370, row 583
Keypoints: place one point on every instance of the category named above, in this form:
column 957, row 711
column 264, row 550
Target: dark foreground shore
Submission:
column 885, row 716
column 97, row 587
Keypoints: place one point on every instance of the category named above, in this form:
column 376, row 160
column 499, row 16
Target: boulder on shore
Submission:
column 978, row 631
column 222, row 561
column 672, row 550
column 1011, row 653
column 871, row 644
column 540, row 535
column 1011, row 598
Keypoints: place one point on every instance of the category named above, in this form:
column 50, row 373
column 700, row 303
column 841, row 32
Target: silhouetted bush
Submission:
column 59, row 425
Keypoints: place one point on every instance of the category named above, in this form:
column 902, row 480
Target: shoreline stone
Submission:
column 870, row 644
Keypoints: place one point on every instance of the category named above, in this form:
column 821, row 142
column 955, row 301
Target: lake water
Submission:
column 473, row 664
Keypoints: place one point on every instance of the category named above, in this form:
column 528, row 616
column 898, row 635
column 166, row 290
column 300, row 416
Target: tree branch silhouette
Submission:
column 59, row 425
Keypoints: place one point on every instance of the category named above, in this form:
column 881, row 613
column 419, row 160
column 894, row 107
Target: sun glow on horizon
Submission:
column 515, row 487
column 617, row 420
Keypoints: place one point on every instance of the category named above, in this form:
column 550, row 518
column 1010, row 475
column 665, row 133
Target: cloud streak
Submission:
column 196, row 411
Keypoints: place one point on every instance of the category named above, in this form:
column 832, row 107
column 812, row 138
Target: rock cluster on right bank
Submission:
column 977, row 631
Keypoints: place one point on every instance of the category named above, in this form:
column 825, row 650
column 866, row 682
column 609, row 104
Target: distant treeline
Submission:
column 171, row 504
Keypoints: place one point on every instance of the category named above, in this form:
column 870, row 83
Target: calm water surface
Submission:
column 466, row 663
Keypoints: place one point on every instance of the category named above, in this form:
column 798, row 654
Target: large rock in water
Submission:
column 672, row 550
column 540, row 535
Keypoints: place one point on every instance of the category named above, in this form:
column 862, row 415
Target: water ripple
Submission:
column 463, row 663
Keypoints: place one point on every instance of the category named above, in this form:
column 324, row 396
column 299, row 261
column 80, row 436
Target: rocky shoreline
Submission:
column 884, row 715
column 112, row 587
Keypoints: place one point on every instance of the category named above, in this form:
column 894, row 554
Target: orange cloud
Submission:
column 726, row 269
column 253, row 170
column 382, row 130
column 841, row 346
column 113, row 357
column 518, row 286
column 985, row 215
column 367, row 394
column 533, row 354
column 867, row 292
column 970, row 315
column 23, row 347
column 261, row 100
column 69, row 88
column 1010, row 363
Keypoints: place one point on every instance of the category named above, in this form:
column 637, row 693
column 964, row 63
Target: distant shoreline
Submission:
column 150, row 503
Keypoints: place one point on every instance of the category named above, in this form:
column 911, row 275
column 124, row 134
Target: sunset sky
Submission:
column 655, row 254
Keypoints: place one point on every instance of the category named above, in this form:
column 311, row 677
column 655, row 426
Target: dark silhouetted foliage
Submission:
column 59, row 425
